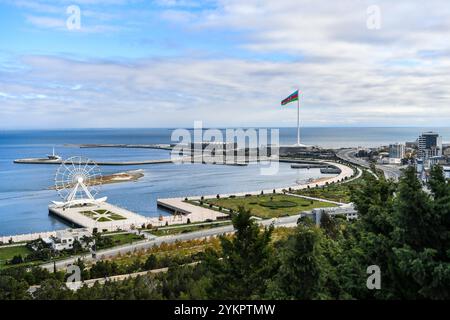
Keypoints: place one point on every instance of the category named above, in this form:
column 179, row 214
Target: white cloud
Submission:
column 348, row 74
column 46, row 22
column 175, row 92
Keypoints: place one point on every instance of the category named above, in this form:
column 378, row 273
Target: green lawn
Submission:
column 335, row 192
column 9, row 252
column 120, row 239
column 270, row 205
column 102, row 215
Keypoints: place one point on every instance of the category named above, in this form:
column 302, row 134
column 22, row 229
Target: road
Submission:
column 146, row 244
column 390, row 172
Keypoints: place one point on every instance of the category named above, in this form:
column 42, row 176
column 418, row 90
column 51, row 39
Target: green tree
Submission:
column 53, row 289
column 300, row 274
column 151, row 262
column 245, row 263
column 413, row 216
column 12, row 289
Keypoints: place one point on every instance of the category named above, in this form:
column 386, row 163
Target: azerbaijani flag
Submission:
column 291, row 98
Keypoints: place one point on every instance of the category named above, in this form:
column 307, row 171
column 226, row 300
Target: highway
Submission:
column 390, row 172
column 146, row 244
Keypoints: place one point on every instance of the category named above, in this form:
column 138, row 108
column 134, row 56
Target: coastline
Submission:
column 119, row 177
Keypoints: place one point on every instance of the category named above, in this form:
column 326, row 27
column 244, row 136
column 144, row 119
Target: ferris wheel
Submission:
column 78, row 180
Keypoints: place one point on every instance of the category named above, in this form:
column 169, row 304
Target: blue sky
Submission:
column 167, row 63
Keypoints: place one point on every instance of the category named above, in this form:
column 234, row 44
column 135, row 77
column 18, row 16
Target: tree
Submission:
column 12, row 289
column 245, row 263
column 413, row 215
column 421, row 254
column 300, row 274
column 53, row 289
column 374, row 201
column 437, row 183
column 329, row 225
column 16, row 260
column 151, row 262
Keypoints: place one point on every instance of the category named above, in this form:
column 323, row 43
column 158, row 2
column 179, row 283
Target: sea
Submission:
column 25, row 189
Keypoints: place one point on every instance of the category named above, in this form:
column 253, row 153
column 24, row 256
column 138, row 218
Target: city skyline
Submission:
column 168, row 63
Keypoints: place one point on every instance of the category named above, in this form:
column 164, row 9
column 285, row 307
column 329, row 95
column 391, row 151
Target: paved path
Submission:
column 21, row 244
column 316, row 199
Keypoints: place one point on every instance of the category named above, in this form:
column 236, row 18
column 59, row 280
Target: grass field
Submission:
column 336, row 192
column 269, row 206
column 9, row 252
column 102, row 215
column 120, row 239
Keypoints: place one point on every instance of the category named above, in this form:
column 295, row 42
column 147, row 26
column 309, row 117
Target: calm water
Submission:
column 24, row 194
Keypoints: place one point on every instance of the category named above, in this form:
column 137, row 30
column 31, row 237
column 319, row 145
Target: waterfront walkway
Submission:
column 185, row 210
column 196, row 213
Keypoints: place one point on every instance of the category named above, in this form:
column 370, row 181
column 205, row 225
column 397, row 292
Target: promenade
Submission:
column 197, row 213
column 185, row 211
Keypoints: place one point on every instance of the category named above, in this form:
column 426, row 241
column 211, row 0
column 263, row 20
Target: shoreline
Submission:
column 345, row 171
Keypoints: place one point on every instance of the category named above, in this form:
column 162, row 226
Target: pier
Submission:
column 101, row 216
column 101, row 163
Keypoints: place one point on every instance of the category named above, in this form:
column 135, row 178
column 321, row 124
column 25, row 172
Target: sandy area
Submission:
column 127, row 176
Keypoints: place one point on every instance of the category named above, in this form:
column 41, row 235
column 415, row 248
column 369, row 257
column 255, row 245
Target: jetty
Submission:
column 100, row 163
column 130, row 146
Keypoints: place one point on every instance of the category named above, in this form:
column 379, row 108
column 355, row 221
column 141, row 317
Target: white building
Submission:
column 447, row 172
column 347, row 210
column 64, row 239
column 396, row 153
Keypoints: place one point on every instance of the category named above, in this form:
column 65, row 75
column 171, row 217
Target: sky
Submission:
column 168, row 63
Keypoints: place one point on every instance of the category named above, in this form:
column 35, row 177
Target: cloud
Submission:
column 348, row 74
column 46, row 22
column 178, row 91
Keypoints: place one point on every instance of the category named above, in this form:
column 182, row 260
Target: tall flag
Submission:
column 293, row 97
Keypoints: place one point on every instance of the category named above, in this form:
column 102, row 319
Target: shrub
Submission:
column 16, row 260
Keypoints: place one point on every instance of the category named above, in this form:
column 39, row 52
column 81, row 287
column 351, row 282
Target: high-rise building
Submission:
column 430, row 145
column 396, row 151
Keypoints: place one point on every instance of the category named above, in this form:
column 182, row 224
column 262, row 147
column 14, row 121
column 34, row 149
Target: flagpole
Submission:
column 298, row 121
